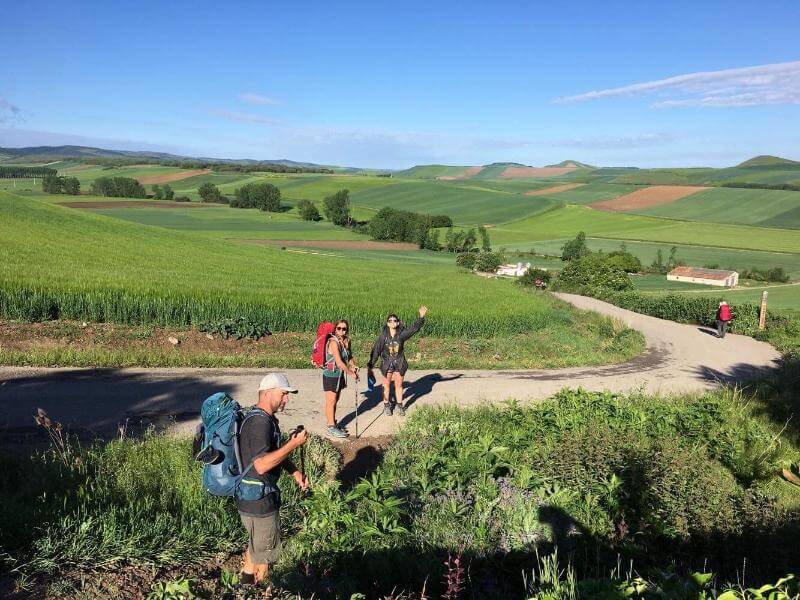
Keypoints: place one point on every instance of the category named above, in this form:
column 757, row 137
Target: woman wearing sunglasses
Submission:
column 390, row 347
column 338, row 361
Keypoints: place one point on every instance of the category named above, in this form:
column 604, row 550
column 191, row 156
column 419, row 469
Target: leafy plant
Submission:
column 237, row 328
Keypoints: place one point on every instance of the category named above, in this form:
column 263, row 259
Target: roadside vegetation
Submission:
column 605, row 479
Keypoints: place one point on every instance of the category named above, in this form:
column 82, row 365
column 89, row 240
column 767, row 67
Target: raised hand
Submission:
column 423, row 310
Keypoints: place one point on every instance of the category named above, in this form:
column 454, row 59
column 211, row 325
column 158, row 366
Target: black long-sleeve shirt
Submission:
column 391, row 349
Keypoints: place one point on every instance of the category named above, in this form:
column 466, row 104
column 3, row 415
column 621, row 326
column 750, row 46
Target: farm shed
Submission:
column 718, row 277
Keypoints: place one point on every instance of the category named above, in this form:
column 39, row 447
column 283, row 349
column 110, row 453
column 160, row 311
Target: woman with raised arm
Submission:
column 338, row 361
column 389, row 347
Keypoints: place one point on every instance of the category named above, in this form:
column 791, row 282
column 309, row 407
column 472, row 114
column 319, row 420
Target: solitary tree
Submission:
column 158, row 193
column 486, row 245
column 308, row 210
column 167, row 192
column 209, row 192
column 71, row 185
column 337, row 208
column 575, row 249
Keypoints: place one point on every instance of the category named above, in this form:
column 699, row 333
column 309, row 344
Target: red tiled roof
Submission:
column 701, row 273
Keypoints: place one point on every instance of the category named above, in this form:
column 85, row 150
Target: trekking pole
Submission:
column 356, row 405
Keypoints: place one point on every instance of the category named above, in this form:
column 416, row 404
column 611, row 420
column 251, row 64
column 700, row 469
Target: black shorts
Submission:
column 334, row 384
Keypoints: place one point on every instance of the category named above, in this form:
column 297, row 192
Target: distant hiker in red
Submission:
column 724, row 317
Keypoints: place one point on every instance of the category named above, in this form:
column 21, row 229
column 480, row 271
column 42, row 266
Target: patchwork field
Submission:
column 765, row 208
column 647, row 197
column 692, row 254
column 87, row 266
column 566, row 221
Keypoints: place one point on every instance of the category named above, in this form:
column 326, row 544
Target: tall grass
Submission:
column 64, row 263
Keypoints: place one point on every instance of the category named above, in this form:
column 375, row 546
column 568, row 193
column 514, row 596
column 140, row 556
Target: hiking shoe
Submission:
column 336, row 432
column 401, row 410
column 387, row 409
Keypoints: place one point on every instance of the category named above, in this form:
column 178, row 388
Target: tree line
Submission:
column 118, row 187
column 53, row 184
column 188, row 163
column 15, row 172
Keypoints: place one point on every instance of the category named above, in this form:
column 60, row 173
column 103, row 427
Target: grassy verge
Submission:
column 690, row 482
column 587, row 339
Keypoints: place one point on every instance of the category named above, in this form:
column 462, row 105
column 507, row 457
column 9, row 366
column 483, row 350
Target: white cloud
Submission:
column 608, row 142
column 777, row 83
column 9, row 113
column 252, row 98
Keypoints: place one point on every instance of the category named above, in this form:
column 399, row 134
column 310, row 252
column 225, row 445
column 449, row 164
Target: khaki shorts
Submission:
column 264, row 537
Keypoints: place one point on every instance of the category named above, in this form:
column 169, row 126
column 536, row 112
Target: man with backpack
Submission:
column 260, row 443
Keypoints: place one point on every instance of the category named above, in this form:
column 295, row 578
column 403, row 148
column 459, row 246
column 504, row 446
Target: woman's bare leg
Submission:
column 398, row 389
column 331, row 398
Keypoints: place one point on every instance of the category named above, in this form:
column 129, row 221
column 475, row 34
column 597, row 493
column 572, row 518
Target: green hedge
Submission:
column 683, row 309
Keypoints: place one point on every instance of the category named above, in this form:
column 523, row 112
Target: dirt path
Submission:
column 678, row 358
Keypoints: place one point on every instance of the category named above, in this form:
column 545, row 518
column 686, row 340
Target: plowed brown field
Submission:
column 529, row 172
column 647, row 197
column 554, row 190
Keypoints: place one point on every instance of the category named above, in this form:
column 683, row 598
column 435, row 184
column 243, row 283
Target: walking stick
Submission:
column 356, row 405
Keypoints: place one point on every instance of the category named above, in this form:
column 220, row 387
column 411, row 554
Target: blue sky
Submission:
column 379, row 84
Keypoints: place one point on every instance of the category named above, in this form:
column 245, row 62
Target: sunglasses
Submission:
column 341, row 329
column 392, row 321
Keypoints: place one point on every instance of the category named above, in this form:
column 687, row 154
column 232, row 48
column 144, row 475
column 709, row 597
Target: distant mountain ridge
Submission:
column 44, row 153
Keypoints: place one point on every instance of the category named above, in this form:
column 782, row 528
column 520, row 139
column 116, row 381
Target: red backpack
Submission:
column 324, row 331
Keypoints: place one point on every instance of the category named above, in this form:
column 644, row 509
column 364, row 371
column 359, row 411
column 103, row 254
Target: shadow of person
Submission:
column 367, row 400
column 423, row 386
column 709, row 331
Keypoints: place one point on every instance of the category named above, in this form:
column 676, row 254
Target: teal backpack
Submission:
column 218, row 440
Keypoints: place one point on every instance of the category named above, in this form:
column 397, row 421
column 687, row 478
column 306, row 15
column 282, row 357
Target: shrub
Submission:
column 337, row 208
column 776, row 274
column 53, row 184
column 441, row 221
column 625, row 261
column 182, row 199
column 682, row 308
column 489, row 262
column 308, row 210
column 237, row 328
column 119, row 187
column 209, row 192
column 263, row 196
column 533, row 275
column 593, row 271
column 575, row 249
column 124, row 187
column 466, row 260
column 158, row 193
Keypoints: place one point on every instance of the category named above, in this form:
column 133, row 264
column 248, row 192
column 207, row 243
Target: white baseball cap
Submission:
column 273, row 381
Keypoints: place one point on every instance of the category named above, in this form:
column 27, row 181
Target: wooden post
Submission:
column 762, row 316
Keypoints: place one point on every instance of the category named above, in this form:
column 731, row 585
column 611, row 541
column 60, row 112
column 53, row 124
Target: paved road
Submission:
column 678, row 358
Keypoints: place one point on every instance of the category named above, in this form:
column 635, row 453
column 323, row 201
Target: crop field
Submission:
column 465, row 205
column 433, row 172
column 567, row 221
column 773, row 174
column 724, row 258
column 74, row 264
column 765, row 208
column 224, row 222
column 595, row 192
column 781, row 296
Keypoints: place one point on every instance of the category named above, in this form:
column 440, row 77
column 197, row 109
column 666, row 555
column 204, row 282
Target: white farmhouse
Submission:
column 718, row 277
column 511, row 270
